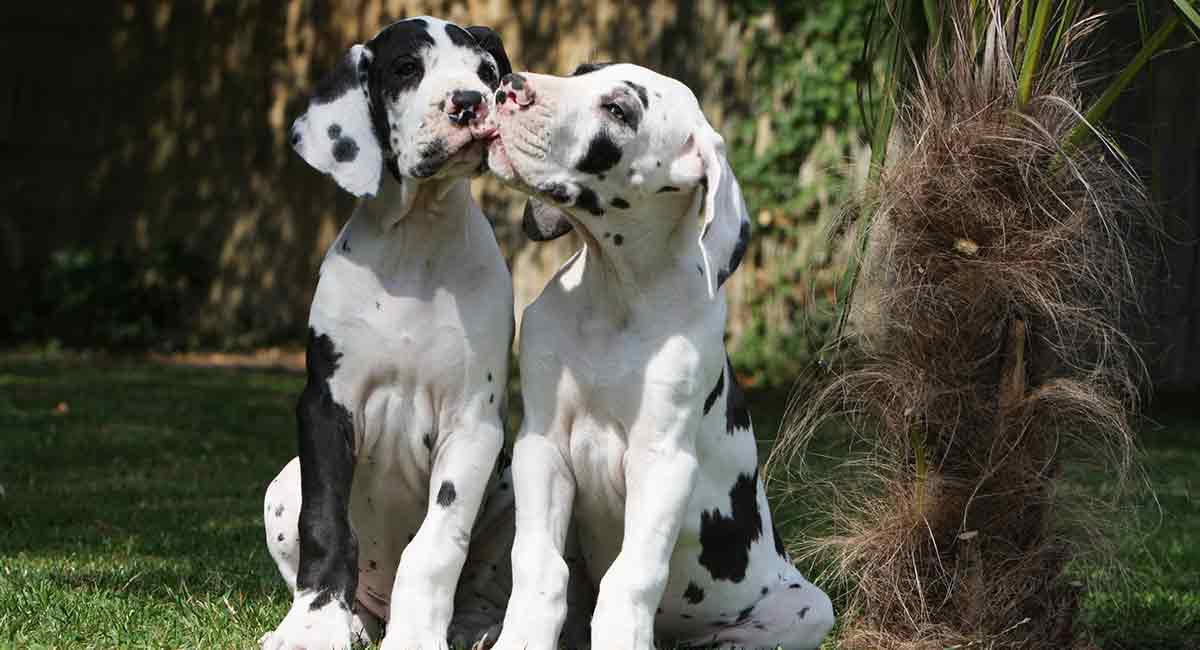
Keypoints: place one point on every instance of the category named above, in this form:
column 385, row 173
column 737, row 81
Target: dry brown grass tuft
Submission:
column 1001, row 273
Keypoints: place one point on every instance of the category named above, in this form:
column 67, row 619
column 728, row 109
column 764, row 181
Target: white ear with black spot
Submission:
column 726, row 230
column 335, row 135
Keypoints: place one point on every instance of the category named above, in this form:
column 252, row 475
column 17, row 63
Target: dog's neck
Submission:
column 400, row 204
column 657, row 265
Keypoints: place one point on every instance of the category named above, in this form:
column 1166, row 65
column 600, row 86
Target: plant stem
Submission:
column 1033, row 48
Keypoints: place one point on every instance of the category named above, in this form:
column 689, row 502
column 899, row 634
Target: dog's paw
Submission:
column 537, row 640
column 402, row 640
column 326, row 628
column 475, row 637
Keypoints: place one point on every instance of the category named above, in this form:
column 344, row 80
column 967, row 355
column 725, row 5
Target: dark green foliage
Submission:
column 793, row 149
column 119, row 299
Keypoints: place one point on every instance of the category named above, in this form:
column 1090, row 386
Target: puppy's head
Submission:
column 414, row 98
column 618, row 141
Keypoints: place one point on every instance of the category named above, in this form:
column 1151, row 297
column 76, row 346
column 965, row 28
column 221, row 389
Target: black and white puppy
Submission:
column 409, row 335
column 634, row 422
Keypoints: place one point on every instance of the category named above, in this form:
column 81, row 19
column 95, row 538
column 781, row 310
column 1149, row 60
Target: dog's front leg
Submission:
column 660, row 472
column 544, row 490
column 422, row 602
column 327, row 577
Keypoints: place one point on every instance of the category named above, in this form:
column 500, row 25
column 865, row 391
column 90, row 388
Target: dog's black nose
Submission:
column 465, row 106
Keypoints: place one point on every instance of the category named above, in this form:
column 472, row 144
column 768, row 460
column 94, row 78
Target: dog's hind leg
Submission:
column 281, row 519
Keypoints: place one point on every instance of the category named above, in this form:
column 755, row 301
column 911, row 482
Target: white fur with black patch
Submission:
column 409, row 336
column 634, row 426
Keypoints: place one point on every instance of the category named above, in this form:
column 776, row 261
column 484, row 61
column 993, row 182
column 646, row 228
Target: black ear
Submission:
column 542, row 222
column 490, row 41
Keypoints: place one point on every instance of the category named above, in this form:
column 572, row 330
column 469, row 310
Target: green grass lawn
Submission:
column 132, row 517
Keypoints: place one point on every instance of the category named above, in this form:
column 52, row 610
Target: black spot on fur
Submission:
column 802, row 612
column 735, row 258
column 737, row 416
column 725, row 540
column 427, row 440
column 328, row 547
column 345, row 150
column 744, row 615
column 602, row 155
column 491, row 398
column 280, row 538
column 693, row 594
column 588, row 200
column 716, row 391
column 667, row 188
column 585, row 68
column 764, row 591
column 618, row 239
column 433, row 156
column 446, row 494
column 641, row 92
column 619, row 202
column 489, row 376
column 279, row 510
column 335, row 131
column 780, row 549
column 794, row 585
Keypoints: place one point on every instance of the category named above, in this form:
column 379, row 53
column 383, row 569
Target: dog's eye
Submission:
column 406, row 68
column 616, row 111
column 487, row 75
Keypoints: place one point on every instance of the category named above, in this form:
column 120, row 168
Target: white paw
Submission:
column 526, row 637
column 325, row 628
column 622, row 626
column 401, row 640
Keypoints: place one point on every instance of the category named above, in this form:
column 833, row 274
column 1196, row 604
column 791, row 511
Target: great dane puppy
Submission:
column 634, row 422
column 408, row 342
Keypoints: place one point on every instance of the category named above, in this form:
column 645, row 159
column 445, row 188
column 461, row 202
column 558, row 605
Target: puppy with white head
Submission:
column 409, row 333
column 634, row 422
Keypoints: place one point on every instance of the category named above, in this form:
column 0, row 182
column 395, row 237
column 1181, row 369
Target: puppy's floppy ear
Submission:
column 335, row 134
column 543, row 222
column 490, row 41
column 726, row 230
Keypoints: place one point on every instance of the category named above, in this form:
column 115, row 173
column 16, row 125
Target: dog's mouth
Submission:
column 462, row 153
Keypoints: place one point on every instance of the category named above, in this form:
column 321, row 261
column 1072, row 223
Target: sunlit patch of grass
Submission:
column 131, row 516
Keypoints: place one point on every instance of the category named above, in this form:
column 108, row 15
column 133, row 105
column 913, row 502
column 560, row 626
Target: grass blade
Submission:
column 1033, row 47
column 1100, row 107
column 1185, row 7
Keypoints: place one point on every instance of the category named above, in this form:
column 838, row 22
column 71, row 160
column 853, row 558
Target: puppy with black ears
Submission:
column 635, row 428
column 409, row 335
